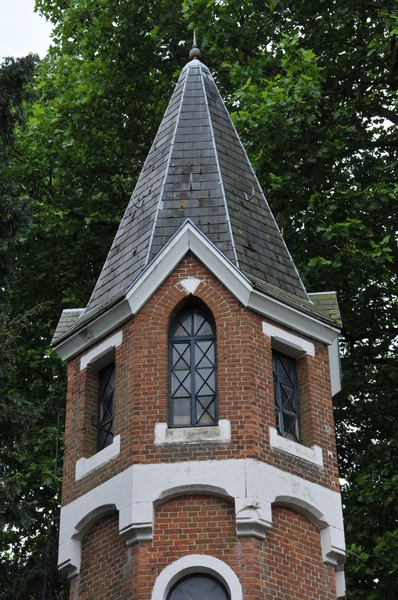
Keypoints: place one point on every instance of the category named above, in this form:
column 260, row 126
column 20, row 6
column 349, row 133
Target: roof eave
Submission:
column 190, row 239
column 293, row 318
column 92, row 331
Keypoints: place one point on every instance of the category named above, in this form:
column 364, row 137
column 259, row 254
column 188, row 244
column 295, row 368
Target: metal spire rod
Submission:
column 195, row 52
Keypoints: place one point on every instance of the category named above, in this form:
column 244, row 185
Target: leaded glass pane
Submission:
column 198, row 323
column 289, row 425
column 182, row 411
column 205, row 410
column 201, row 326
column 204, row 382
column 181, row 384
column 181, row 356
column 286, row 371
column 204, row 353
column 184, row 326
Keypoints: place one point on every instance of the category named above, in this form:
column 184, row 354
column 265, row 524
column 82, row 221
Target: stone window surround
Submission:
column 196, row 563
column 193, row 435
column 296, row 347
column 97, row 358
column 84, row 466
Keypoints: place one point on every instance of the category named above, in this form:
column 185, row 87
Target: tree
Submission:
column 312, row 89
column 14, row 75
column 26, row 473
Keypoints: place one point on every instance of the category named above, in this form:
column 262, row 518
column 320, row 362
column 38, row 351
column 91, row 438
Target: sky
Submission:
column 22, row 30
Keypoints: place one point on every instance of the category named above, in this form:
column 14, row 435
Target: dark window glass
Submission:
column 198, row 587
column 192, row 370
column 286, row 396
column 106, row 406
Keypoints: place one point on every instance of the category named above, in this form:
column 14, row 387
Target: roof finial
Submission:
column 195, row 52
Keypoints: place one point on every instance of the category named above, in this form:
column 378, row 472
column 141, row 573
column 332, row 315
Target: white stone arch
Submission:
column 196, row 563
column 200, row 489
column 331, row 538
column 71, row 566
column 113, row 496
column 303, row 507
column 89, row 520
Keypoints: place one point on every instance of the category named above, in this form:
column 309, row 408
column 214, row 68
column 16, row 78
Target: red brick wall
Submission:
column 245, row 386
column 293, row 560
column 106, row 568
column 286, row 565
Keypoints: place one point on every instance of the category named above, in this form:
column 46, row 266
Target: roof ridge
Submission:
column 164, row 179
column 224, row 196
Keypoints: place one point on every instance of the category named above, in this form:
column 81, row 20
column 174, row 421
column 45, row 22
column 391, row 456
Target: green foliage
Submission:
column 312, row 88
column 28, row 485
column 14, row 75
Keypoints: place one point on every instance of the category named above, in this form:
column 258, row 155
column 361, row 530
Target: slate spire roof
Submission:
column 197, row 172
column 197, row 169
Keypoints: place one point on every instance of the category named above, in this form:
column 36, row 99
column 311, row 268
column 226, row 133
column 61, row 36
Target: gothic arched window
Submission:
column 198, row 587
column 192, row 370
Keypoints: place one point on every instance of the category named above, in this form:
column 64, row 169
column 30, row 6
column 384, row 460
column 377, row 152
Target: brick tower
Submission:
column 200, row 458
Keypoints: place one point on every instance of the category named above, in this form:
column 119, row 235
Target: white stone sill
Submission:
column 193, row 435
column 84, row 466
column 312, row 455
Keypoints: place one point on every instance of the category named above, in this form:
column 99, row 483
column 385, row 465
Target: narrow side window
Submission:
column 106, row 408
column 286, row 396
column 192, row 370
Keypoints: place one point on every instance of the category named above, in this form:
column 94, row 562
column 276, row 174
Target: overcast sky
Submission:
column 22, row 30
